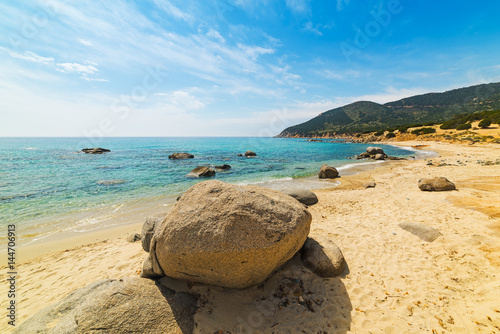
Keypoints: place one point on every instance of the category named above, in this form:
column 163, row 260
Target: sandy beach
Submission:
column 395, row 282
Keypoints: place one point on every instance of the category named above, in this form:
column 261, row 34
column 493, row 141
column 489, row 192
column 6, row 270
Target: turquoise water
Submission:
column 43, row 179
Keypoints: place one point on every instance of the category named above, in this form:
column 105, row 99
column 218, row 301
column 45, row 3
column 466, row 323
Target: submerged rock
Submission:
column 201, row 171
column 97, row 150
column 436, row 184
column 223, row 167
column 228, row 235
column 328, row 172
column 110, row 182
column 304, row 196
column 324, row 258
column 179, row 156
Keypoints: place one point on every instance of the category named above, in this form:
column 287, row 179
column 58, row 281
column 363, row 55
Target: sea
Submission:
column 47, row 185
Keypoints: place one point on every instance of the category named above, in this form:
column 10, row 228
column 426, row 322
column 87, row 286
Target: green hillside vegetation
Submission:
column 455, row 107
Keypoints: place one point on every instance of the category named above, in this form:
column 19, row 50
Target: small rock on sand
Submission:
column 324, row 258
column 328, row 172
column 304, row 196
column 134, row 237
column 436, row 184
column 424, row 232
column 369, row 185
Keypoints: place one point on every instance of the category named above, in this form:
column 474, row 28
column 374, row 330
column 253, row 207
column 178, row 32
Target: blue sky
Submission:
column 228, row 68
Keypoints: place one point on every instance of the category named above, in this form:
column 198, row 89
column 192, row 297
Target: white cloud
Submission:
column 79, row 68
column 298, row 6
column 255, row 51
column 28, row 55
column 85, row 42
column 181, row 100
column 172, row 10
column 308, row 26
column 215, row 35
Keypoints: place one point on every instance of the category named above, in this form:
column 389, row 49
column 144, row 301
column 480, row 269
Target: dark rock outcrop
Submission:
column 250, row 154
column 180, row 156
column 97, row 150
column 223, row 167
column 201, row 171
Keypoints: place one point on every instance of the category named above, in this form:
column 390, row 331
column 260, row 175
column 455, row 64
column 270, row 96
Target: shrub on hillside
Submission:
column 466, row 126
column 379, row 133
column 423, row 131
column 391, row 135
column 485, row 123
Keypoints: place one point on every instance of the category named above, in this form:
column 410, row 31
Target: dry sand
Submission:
column 395, row 283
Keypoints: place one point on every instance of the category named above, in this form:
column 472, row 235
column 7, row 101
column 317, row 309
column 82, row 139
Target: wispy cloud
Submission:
column 28, row 55
column 173, row 11
column 298, row 6
column 308, row 26
column 79, row 68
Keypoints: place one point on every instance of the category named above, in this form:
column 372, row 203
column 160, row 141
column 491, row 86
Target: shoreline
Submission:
column 404, row 285
column 135, row 212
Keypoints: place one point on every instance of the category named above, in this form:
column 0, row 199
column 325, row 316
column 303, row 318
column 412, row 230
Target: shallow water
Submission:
column 46, row 185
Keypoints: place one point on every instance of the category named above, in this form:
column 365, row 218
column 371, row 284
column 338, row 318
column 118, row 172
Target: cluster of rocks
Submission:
column 218, row 234
column 248, row 154
column 376, row 153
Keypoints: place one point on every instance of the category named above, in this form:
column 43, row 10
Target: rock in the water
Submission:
column 148, row 229
column 178, row 156
column 110, row 182
column 369, row 185
column 424, row 232
column 250, row 154
column 374, row 150
column 324, row 258
column 240, row 154
column 223, row 167
column 201, row 171
column 328, row 172
column 436, row 184
column 380, row 156
column 134, row 237
column 130, row 305
column 228, row 235
column 304, row 196
column 96, row 150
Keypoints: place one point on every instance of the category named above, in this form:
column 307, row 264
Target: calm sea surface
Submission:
column 46, row 185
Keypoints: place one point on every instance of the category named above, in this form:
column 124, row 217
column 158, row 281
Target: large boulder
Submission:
column 179, row 156
column 436, row 184
column 201, row 171
column 380, row 156
column 228, row 235
column 324, row 258
column 374, row 150
column 304, row 196
column 422, row 231
column 130, row 305
column 250, row 154
column 97, row 150
column 328, row 172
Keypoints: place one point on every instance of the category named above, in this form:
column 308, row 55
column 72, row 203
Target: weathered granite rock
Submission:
column 148, row 229
column 228, row 235
column 250, row 154
column 380, row 156
column 328, row 172
column 134, row 237
column 436, row 184
column 369, row 185
column 323, row 257
column 304, row 196
column 424, row 232
column 179, row 156
column 97, row 150
column 223, row 167
column 201, row 171
column 129, row 305
column 374, row 150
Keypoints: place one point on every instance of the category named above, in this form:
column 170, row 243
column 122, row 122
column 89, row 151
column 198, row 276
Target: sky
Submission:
column 126, row 68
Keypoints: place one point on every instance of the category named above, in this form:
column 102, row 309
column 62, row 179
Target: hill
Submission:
column 366, row 116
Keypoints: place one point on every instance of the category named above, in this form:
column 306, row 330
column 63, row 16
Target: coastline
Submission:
column 396, row 282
